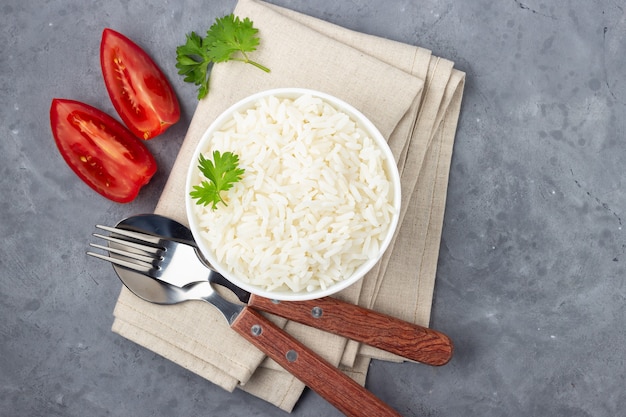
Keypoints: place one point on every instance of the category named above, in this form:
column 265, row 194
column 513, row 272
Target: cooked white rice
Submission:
column 315, row 201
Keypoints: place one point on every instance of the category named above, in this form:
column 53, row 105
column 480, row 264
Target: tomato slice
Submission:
column 140, row 93
column 100, row 150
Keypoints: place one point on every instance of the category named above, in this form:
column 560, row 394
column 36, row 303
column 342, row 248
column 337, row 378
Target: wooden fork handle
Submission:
column 402, row 338
column 329, row 382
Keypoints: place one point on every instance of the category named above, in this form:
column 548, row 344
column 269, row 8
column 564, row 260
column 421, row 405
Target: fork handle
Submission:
column 385, row 332
column 329, row 382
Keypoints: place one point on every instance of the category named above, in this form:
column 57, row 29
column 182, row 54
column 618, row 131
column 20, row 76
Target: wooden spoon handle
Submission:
column 329, row 382
column 385, row 332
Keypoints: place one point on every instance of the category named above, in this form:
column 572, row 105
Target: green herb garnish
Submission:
column 229, row 38
column 221, row 173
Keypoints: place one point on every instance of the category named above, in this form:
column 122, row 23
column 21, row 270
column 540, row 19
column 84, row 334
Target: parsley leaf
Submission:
column 221, row 174
column 229, row 38
column 193, row 63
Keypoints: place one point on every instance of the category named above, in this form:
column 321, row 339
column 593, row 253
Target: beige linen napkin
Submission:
column 414, row 99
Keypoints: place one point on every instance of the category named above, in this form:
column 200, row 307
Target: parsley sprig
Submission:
column 221, row 173
column 228, row 39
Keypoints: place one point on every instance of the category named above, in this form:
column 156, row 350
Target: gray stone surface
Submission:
column 531, row 271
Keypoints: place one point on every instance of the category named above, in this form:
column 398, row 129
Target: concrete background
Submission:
column 531, row 271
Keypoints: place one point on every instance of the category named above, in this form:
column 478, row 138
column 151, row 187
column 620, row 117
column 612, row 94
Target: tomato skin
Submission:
column 100, row 150
column 140, row 93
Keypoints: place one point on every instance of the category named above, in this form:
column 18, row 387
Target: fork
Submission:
column 385, row 332
column 159, row 258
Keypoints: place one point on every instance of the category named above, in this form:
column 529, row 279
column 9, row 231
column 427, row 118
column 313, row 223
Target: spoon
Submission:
column 329, row 382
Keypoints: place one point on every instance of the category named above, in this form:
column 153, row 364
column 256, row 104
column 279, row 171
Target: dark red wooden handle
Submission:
column 329, row 382
column 385, row 332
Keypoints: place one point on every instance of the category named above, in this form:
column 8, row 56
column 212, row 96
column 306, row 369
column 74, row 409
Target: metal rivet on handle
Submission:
column 316, row 312
column 292, row 355
column 256, row 330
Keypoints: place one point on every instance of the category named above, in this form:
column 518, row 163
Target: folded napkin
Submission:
column 414, row 99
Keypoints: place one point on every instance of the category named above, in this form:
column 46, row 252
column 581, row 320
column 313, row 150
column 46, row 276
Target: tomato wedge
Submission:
column 140, row 93
column 100, row 150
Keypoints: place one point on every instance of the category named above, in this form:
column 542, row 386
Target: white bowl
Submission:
column 287, row 294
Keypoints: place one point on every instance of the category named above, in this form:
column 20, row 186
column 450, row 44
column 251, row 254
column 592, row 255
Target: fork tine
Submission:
column 135, row 235
column 145, row 248
column 144, row 269
column 137, row 256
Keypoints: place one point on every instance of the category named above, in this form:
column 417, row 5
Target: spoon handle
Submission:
column 391, row 334
column 329, row 382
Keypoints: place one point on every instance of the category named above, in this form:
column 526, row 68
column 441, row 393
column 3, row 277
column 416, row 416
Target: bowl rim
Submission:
column 365, row 123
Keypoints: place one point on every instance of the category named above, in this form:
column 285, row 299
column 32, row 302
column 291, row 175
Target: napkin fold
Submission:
column 414, row 99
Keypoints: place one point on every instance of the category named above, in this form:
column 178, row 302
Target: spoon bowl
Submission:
column 159, row 292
